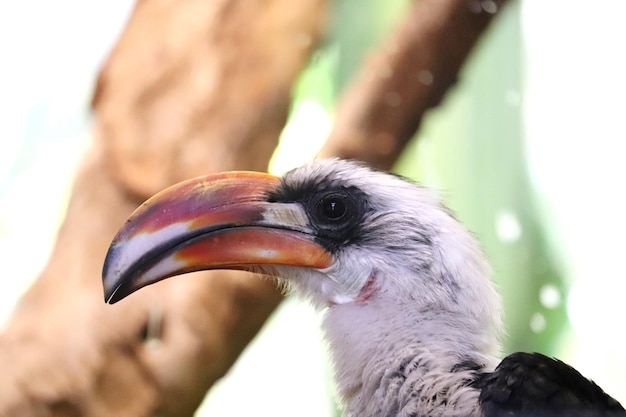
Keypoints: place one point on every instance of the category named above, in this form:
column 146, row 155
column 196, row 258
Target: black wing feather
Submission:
column 532, row 384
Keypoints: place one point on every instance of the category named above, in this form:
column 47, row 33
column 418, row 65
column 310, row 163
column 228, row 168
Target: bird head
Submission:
column 338, row 232
column 403, row 282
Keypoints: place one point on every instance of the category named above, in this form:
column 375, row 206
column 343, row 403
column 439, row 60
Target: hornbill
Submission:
column 412, row 317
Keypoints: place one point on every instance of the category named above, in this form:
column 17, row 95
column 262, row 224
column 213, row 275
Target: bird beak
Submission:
column 221, row 221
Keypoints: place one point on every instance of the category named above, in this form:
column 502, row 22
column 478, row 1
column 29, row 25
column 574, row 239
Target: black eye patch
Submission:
column 337, row 215
column 335, row 212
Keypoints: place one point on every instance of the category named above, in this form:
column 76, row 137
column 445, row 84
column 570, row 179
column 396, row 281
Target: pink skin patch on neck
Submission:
column 368, row 290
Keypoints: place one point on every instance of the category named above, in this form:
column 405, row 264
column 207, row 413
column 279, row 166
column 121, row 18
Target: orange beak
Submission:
column 220, row 221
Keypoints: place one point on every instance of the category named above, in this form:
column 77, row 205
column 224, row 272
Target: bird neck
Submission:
column 415, row 362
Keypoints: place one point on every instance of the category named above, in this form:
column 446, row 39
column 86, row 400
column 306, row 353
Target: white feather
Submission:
column 433, row 305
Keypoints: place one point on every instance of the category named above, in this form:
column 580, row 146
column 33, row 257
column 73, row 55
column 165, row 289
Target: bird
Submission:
column 411, row 315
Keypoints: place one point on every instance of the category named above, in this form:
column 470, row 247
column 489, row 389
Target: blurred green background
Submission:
column 527, row 149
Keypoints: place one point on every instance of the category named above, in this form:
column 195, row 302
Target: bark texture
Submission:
column 193, row 88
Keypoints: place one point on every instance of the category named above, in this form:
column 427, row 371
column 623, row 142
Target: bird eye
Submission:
column 332, row 207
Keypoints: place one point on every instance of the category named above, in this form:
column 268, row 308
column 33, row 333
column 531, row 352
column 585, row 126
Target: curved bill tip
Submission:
column 214, row 222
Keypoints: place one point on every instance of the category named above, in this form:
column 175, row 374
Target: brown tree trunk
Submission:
column 191, row 87
column 195, row 87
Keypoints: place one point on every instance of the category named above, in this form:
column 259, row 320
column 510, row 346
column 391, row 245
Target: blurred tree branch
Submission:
column 407, row 75
column 192, row 88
